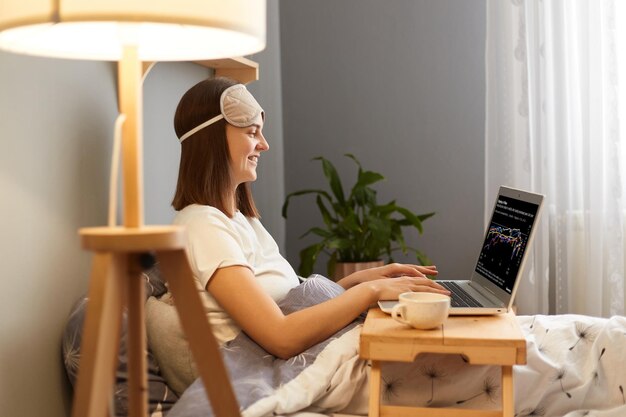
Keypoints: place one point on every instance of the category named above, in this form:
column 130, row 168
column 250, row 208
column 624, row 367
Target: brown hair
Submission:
column 204, row 172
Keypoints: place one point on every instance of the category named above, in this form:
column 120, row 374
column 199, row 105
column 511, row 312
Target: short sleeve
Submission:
column 213, row 241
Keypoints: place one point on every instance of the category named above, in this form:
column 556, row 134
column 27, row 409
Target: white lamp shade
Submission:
column 162, row 30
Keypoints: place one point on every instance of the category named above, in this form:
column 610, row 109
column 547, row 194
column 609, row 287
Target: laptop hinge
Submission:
column 487, row 293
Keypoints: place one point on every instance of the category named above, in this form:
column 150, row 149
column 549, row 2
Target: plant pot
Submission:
column 343, row 269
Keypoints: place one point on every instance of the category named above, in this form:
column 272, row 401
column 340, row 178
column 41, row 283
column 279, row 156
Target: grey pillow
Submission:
column 160, row 397
column 169, row 344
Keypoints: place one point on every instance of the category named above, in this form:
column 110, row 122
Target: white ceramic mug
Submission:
column 422, row 310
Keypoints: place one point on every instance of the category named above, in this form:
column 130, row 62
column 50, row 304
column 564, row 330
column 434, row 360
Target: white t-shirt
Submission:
column 217, row 241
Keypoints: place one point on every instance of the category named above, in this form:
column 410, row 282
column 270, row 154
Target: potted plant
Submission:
column 357, row 229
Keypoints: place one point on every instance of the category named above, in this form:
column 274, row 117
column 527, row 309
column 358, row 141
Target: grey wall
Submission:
column 56, row 119
column 401, row 85
column 56, row 124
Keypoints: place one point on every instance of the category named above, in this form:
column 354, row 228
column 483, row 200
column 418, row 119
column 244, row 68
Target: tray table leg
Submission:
column 508, row 404
column 374, row 408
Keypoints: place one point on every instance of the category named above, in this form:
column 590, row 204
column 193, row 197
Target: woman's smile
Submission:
column 254, row 159
column 245, row 145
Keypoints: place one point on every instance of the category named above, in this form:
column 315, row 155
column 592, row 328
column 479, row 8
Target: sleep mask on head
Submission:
column 237, row 106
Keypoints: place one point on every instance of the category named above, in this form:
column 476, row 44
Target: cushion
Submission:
column 160, row 397
column 169, row 344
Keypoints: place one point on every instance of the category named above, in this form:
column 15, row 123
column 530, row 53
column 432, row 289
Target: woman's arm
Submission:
column 387, row 271
column 236, row 290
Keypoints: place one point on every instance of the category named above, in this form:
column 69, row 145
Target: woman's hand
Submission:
column 393, row 270
column 390, row 289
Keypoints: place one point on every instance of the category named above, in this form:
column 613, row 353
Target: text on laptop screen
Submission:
column 506, row 240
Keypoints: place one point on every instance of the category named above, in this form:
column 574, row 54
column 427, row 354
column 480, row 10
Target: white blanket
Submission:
column 576, row 367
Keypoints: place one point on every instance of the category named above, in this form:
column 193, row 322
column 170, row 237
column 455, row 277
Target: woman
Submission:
column 241, row 276
column 237, row 262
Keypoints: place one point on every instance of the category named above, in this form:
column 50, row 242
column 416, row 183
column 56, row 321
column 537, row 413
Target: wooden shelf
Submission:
column 240, row 69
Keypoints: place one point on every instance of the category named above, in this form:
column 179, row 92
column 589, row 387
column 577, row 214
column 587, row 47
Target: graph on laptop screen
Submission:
column 506, row 240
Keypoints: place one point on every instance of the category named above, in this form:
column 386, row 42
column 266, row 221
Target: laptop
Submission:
column 492, row 286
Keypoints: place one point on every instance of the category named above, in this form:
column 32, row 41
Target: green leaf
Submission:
column 333, row 178
column 379, row 227
column 397, row 236
column 318, row 231
column 379, row 238
column 412, row 218
column 387, row 208
column 308, row 256
column 361, row 192
column 365, row 196
column 356, row 161
column 326, row 216
column 331, row 265
column 370, row 197
column 303, row 192
column 338, row 243
column 423, row 259
column 368, row 178
column 423, row 217
column 351, row 223
column 360, row 196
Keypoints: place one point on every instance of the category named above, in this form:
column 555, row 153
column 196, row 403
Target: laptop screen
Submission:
column 505, row 241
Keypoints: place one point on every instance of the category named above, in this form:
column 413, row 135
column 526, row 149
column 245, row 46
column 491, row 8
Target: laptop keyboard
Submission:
column 458, row 296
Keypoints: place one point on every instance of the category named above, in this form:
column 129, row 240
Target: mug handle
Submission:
column 398, row 313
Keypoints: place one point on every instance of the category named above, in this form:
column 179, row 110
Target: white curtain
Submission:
column 556, row 124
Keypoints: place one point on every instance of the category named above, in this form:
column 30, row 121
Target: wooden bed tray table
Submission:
column 483, row 340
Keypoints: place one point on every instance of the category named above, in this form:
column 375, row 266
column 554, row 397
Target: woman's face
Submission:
column 245, row 145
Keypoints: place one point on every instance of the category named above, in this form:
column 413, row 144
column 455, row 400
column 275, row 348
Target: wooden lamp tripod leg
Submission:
column 137, row 341
column 116, row 283
column 175, row 268
column 100, row 341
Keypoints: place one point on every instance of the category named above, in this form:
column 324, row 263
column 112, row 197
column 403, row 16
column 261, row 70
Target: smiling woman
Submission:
column 237, row 267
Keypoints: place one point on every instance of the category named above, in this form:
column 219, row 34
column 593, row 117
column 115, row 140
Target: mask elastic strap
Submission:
column 201, row 126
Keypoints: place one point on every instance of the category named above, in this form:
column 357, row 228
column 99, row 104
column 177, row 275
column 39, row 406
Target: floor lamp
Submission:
column 134, row 32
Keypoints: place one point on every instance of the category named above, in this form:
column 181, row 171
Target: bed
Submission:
column 576, row 367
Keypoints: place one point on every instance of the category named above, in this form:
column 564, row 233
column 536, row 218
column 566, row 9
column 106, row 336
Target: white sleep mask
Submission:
column 237, row 106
